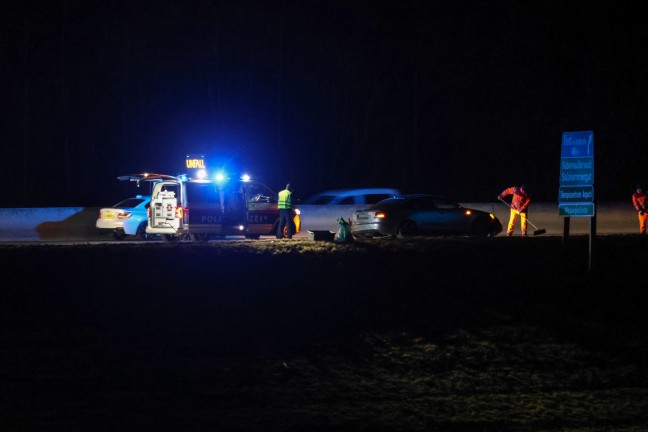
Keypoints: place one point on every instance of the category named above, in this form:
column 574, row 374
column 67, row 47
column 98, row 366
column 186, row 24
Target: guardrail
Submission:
column 78, row 223
column 49, row 223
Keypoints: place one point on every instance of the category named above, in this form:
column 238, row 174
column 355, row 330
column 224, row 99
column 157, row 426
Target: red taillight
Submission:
column 179, row 212
column 380, row 215
column 148, row 212
column 124, row 215
column 100, row 215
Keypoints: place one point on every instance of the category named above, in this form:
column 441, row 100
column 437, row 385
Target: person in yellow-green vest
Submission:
column 285, row 212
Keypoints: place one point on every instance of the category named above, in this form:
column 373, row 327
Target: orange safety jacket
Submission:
column 520, row 200
column 639, row 200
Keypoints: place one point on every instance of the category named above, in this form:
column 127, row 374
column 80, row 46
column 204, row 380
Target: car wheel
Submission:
column 119, row 234
column 141, row 231
column 406, row 228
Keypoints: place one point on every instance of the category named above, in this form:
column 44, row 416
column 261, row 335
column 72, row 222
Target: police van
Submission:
column 202, row 209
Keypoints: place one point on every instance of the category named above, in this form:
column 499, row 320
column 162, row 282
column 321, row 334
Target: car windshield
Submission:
column 387, row 203
column 444, row 203
column 129, row 203
column 376, row 198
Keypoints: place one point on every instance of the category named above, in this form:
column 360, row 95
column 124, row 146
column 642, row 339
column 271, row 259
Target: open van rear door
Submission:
column 146, row 177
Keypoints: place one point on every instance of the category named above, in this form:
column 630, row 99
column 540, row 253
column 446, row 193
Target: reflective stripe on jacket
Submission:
column 639, row 200
column 520, row 200
column 284, row 200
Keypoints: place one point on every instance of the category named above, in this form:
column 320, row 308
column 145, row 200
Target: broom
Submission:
column 537, row 230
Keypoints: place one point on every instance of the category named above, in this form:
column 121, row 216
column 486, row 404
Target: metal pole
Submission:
column 566, row 221
column 591, row 239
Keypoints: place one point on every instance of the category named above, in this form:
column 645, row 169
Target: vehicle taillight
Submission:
column 100, row 216
column 124, row 215
column 380, row 215
column 468, row 212
column 148, row 212
column 179, row 212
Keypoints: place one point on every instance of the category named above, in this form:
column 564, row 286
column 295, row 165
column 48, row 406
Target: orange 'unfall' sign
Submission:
column 194, row 163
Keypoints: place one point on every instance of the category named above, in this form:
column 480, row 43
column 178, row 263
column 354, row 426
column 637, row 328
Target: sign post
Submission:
column 576, row 192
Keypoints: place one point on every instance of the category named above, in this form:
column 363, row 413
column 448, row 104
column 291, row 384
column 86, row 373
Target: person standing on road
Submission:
column 639, row 199
column 519, row 205
column 285, row 212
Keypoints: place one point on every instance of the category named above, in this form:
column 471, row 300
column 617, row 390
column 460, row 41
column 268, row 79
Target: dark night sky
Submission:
column 462, row 98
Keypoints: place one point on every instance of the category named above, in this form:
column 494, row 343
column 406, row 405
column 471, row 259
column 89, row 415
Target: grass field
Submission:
column 447, row 334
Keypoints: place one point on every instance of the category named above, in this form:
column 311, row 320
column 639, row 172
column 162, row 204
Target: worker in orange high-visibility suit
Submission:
column 519, row 205
column 640, row 201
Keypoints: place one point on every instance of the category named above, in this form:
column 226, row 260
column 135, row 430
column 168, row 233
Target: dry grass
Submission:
column 426, row 334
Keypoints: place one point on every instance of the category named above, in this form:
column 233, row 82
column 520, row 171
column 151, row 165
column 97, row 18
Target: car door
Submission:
column 167, row 199
column 262, row 210
column 423, row 212
column 451, row 216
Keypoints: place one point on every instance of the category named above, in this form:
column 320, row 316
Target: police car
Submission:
column 126, row 218
column 200, row 206
column 206, row 208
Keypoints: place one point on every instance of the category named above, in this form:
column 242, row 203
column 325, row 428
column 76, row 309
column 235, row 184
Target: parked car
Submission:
column 128, row 217
column 422, row 214
column 352, row 196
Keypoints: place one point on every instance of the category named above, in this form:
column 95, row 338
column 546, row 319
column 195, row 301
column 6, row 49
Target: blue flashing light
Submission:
column 220, row 176
column 183, row 177
column 245, row 178
column 201, row 174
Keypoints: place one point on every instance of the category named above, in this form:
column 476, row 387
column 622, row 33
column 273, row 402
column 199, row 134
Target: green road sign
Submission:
column 576, row 210
column 576, row 194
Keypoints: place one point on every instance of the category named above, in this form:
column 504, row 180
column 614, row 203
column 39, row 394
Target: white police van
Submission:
column 201, row 209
